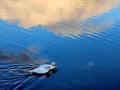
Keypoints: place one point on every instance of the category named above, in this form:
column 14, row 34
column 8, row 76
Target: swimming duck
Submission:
column 43, row 69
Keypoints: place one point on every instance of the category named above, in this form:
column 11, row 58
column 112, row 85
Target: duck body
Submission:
column 43, row 69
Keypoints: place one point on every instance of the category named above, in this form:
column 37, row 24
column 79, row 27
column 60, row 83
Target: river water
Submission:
column 82, row 37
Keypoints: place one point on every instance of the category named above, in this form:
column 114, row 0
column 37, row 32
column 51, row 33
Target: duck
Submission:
column 44, row 69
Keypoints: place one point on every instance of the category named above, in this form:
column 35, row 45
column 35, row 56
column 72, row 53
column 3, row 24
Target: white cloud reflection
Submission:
column 61, row 16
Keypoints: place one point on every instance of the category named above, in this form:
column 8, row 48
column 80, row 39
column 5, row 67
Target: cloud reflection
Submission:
column 26, row 56
column 54, row 14
column 66, row 29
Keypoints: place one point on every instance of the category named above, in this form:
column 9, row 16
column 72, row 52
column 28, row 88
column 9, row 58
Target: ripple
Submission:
column 15, row 76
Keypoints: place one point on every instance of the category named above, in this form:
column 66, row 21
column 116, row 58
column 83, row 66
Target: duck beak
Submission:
column 55, row 65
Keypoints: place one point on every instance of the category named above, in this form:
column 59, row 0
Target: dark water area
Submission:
column 87, row 54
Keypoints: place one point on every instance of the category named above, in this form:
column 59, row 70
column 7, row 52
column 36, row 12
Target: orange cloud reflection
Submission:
column 49, row 13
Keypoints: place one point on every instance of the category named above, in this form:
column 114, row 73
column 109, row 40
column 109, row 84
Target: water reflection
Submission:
column 76, row 28
column 63, row 17
column 29, row 55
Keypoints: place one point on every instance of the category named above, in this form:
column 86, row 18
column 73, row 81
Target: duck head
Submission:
column 53, row 64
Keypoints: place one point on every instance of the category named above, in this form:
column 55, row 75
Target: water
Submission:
column 82, row 39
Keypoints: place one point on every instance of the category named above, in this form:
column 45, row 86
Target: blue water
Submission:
column 86, row 61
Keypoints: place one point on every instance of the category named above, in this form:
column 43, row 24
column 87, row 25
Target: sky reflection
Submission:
column 62, row 17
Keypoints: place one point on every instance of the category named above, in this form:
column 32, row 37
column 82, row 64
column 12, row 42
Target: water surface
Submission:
column 82, row 37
